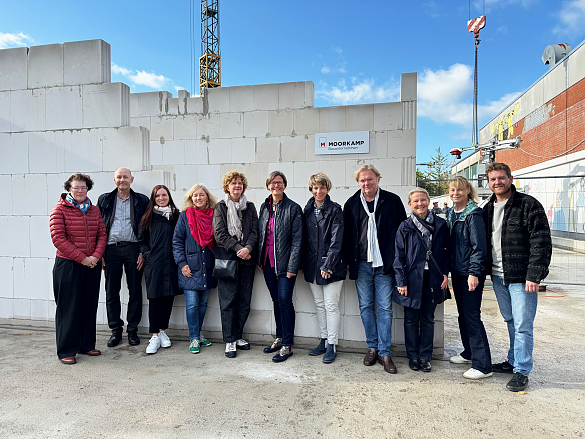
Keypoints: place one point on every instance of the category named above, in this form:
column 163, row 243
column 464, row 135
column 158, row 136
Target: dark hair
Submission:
column 495, row 166
column 78, row 177
column 146, row 221
column 273, row 175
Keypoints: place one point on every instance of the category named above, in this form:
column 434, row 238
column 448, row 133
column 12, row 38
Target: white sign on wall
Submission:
column 353, row 142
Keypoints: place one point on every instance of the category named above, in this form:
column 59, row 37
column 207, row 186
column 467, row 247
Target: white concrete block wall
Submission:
column 45, row 66
column 13, row 68
column 86, row 62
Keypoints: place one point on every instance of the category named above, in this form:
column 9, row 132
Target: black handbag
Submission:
column 225, row 269
column 446, row 292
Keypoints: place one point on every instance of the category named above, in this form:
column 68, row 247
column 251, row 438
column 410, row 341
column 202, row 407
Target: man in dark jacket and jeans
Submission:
column 122, row 210
column 371, row 218
column 520, row 249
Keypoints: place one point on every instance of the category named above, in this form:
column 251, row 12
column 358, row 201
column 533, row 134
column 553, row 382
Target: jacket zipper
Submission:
column 86, row 231
column 274, row 237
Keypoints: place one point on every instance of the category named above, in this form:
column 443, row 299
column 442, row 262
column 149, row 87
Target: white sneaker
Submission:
column 230, row 350
column 153, row 345
column 165, row 341
column 458, row 359
column 242, row 344
column 474, row 374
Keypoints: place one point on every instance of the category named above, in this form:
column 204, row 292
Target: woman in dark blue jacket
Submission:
column 280, row 226
column 323, row 262
column 419, row 283
column 193, row 244
column 468, row 259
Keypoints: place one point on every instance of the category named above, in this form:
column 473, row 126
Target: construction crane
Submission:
column 488, row 149
column 210, row 59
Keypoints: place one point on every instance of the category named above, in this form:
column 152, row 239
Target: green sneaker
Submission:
column 204, row 342
column 194, row 346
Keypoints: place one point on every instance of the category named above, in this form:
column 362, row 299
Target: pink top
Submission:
column 269, row 245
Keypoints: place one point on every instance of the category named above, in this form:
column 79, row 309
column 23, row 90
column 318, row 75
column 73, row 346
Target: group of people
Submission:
column 389, row 255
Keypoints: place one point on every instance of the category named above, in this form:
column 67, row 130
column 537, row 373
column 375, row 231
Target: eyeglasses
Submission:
column 80, row 189
column 277, row 183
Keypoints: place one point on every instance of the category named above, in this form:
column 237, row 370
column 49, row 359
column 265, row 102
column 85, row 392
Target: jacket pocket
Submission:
column 194, row 261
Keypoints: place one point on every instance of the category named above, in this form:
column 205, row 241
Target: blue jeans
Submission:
column 196, row 306
column 281, row 292
column 518, row 309
column 374, row 289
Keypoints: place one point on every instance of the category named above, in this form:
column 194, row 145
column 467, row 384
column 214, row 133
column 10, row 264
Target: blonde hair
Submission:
column 320, row 178
column 231, row 176
column 418, row 189
column 211, row 200
column 372, row 168
column 460, row 182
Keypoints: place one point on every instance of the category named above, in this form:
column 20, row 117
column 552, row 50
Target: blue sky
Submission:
column 354, row 52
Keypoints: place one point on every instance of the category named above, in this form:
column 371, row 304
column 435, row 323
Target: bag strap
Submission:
column 429, row 252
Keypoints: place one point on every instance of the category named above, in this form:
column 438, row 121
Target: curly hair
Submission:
column 211, row 200
column 78, row 177
column 231, row 176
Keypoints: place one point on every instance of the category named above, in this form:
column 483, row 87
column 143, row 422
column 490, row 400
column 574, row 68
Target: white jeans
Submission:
column 327, row 302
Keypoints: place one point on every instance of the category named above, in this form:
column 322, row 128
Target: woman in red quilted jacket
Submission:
column 78, row 232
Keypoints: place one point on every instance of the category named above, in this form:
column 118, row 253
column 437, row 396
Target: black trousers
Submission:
column 159, row 313
column 473, row 335
column 419, row 325
column 118, row 259
column 76, row 289
column 234, row 302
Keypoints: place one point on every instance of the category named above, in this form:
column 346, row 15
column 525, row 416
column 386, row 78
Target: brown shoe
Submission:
column 371, row 357
column 92, row 353
column 68, row 360
column 388, row 364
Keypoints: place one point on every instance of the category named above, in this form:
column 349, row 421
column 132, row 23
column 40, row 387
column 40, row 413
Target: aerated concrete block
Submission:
column 6, row 185
column 378, row 145
column 13, row 68
column 293, row 149
column 87, row 62
column 335, row 170
column 256, row 174
column 39, row 309
column 359, row 117
column 46, row 153
column 241, row 98
column 401, row 143
column 303, row 297
column 390, row 169
column 140, row 122
column 125, row 146
column 29, row 183
column 185, row 127
column 156, row 154
column 82, row 150
column 207, row 126
column 302, row 172
column 6, row 308
column 15, row 236
column 4, row 111
column 259, row 321
column 332, row 119
column 27, row 110
column 285, row 167
column 161, row 126
column 196, row 152
column 306, row 121
column 353, row 329
column 149, row 104
column 195, row 105
column 220, row 151
column 231, row 125
column 14, row 153
column 173, row 107
column 408, row 87
column 106, row 105
column 255, row 124
column 173, row 152
column 209, row 176
column 265, row 97
column 218, row 99
column 43, row 245
column 21, row 308
column 243, row 150
column 63, row 108
column 280, row 123
column 267, row 148
column 388, row 116
column 45, row 66
column 6, row 274
column 306, row 325
column 293, row 95
column 185, row 177
column 28, row 273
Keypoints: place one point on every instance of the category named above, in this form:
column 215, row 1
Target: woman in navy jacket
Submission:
column 468, row 259
column 419, row 282
column 323, row 263
column 193, row 244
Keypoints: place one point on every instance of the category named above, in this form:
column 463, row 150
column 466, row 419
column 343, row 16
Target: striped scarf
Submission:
column 82, row 206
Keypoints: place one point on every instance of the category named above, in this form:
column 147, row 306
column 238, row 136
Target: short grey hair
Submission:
column 418, row 189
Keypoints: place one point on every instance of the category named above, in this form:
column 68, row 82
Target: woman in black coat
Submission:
column 160, row 270
column 235, row 228
column 323, row 263
column 419, row 282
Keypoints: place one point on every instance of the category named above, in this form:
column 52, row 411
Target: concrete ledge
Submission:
column 569, row 244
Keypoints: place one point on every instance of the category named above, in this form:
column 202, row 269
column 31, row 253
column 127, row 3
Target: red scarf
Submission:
column 200, row 223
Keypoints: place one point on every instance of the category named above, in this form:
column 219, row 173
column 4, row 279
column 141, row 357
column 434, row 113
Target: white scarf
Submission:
column 374, row 255
column 166, row 211
column 233, row 220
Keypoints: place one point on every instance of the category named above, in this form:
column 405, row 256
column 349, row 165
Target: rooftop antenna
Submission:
column 210, row 59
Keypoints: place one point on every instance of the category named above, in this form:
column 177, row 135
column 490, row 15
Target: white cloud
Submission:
column 325, row 70
column 337, row 50
column 365, row 91
column 120, row 70
column 151, row 80
column 571, row 18
column 178, row 87
column 14, row 40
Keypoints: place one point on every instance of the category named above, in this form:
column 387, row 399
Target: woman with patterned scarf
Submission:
column 157, row 227
column 419, row 281
column 235, row 226
column 468, row 259
column 78, row 232
column 193, row 245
